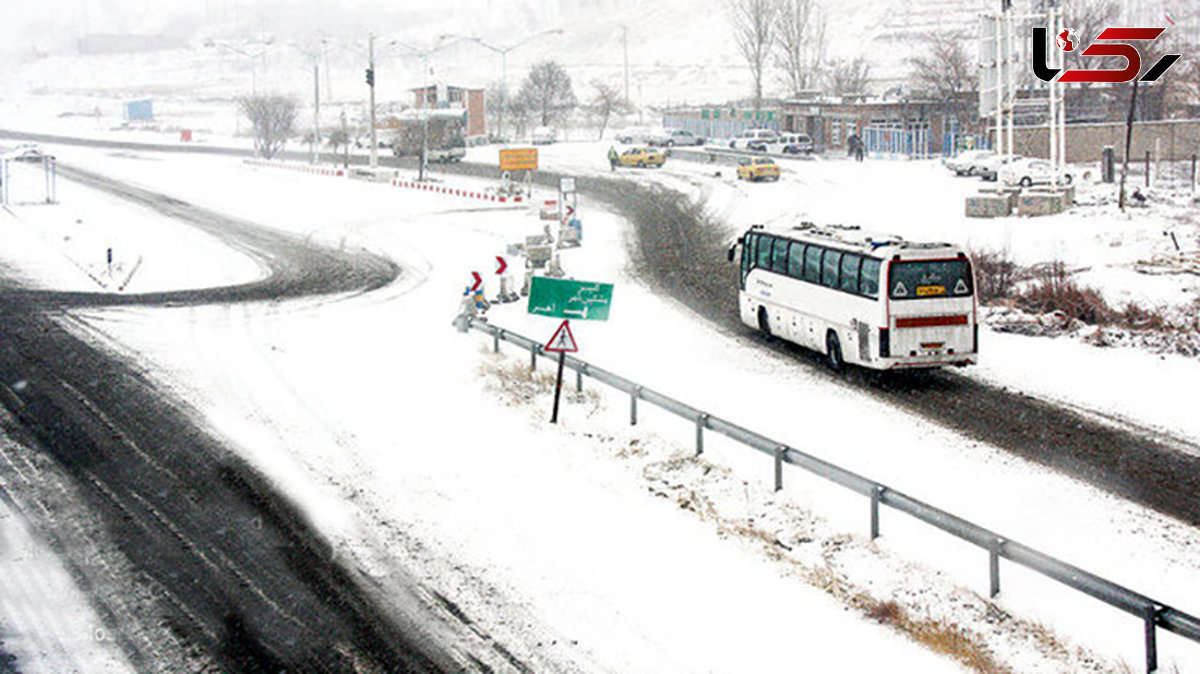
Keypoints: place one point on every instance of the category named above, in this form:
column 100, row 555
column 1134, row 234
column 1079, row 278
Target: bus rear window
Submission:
column 923, row 279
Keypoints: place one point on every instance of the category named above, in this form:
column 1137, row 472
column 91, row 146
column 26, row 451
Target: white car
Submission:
column 29, row 152
column 633, row 134
column 752, row 136
column 788, row 143
column 673, row 137
column 967, row 162
column 542, row 136
column 1027, row 172
column 989, row 169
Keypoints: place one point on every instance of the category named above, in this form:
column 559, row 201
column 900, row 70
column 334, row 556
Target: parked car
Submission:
column 788, row 143
column 642, row 157
column 673, row 137
column 752, row 135
column 966, row 163
column 1027, row 172
column 633, row 134
column 989, row 168
column 542, row 135
column 454, row 151
column 29, row 152
column 757, row 168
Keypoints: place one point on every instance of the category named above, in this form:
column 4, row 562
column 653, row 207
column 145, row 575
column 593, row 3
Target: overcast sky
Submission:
column 54, row 23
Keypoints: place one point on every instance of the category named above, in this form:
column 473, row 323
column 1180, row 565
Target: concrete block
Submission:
column 1042, row 203
column 988, row 206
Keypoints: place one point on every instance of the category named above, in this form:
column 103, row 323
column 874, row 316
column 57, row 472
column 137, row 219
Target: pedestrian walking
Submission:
column 856, row 147
column 613, row 160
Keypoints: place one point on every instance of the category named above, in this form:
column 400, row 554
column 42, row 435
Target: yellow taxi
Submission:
column 642, row 157
column 757, row 168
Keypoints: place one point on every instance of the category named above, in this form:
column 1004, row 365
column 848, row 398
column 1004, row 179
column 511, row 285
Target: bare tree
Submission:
column 848, row 76
column 800, row 44
column 1087, row 18
column 945, row 69
column 272, row 117
column 754, row 32
column 608, row 99
column 547, row 93
column 494, row 97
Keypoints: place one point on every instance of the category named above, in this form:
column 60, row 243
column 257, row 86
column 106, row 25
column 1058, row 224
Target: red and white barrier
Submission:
column 303, row 168
column 458, row 192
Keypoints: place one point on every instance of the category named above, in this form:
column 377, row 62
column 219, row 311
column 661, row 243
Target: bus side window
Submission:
column 796, row 260
column 829, row 269
column 779, row 258
column 812, row 264
column 850, row 263
column 868, row 277
column 764, row 251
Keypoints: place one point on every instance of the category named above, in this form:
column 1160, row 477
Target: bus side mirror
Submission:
column 729, row 253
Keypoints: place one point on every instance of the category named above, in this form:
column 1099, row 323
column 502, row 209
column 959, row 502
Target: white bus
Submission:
column 879, row 302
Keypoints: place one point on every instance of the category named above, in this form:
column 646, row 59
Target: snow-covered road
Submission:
column 370, row 411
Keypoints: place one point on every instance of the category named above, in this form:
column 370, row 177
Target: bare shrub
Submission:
column 995, row 274
column 1053, row 289
column 1138, row 317
column 273, row 117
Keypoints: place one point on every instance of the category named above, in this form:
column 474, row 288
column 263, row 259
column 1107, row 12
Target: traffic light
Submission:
column 370, row 77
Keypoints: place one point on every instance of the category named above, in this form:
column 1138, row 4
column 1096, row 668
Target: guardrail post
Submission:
column 701, row 422
column 633, row 398
column 779, row 450
column 876, row 492
column 579, row 380
column 496, row 341
column 533, row 357
column 994, row 566
column 1151, row 618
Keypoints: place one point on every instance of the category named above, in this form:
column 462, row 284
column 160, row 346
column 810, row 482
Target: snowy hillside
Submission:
column 679, row 50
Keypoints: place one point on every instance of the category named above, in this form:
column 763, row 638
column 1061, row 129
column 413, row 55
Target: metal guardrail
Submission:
column 1154, row 614
column 723, row 155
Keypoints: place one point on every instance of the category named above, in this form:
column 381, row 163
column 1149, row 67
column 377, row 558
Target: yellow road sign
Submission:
column 519, row 159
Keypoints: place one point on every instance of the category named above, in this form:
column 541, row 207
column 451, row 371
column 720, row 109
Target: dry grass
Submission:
column 995, row 274
column 1053, row 290
column 1050, row 288
column 518, row 385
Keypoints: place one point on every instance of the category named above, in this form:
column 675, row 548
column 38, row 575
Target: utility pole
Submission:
column 316, row 113
column 625, row 45
column 371, row 82
column 425, row 115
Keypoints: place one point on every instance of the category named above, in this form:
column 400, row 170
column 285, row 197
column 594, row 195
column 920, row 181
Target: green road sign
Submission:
column 570, row 299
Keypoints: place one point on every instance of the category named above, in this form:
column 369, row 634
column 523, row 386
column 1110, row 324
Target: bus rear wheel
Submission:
column 764, row 321
column 833, row 350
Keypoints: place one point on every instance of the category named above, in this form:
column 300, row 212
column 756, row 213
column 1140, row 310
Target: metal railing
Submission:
column 1154, row 614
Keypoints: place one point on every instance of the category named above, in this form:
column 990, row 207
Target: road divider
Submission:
column 458, row 191
column 295, row 166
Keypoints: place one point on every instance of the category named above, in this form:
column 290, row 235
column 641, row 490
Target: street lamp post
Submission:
column 503, row 52
column 252, row 57
column 371, row 83
column 424, row 54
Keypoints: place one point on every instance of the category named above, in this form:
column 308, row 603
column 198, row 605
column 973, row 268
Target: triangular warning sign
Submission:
column 899, row 290
column 563, row 340
column 960, row 288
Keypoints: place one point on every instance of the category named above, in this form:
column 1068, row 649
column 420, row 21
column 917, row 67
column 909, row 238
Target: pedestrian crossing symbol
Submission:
column 562, row 341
